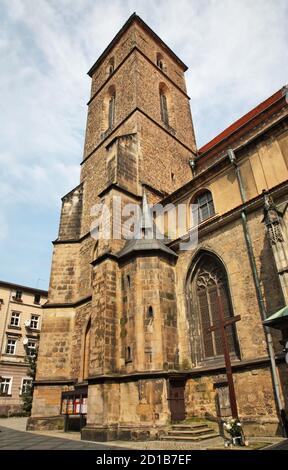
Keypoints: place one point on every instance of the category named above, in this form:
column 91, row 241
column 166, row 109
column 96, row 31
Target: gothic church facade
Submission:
column 127, row 323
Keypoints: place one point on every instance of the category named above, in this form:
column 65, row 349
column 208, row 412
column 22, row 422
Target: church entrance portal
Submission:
column 176, row 399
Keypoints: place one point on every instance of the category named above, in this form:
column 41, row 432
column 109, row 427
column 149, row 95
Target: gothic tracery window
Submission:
column 211, row 289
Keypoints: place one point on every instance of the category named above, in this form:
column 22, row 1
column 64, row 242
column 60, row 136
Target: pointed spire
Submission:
column 145, row 239
column 146, row 217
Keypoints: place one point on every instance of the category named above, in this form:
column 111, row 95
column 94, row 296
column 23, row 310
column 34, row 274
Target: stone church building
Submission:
column 127, row 339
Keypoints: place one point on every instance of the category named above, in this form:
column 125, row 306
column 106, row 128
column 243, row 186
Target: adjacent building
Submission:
column 20, row 325
column 130, row 335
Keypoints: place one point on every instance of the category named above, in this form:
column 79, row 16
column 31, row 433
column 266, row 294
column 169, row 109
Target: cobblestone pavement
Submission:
column 10, row 439
column 283, row 445
column 13, row 436
column 17, row 423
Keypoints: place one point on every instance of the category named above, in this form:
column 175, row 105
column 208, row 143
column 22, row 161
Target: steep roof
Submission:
column 254, row 117
column 244, row 120
column 278, row 319
column 135, row 18
column 147, row 244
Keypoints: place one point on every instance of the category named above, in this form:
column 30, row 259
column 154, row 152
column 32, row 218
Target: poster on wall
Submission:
column 84, row 406
column 77, row 406
column 70, row 406
column 64, row 406
column 74, row 405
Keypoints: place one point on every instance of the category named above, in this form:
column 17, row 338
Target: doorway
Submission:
column 176, row 399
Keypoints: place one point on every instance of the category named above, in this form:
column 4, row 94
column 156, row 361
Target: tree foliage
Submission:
column 27, row 396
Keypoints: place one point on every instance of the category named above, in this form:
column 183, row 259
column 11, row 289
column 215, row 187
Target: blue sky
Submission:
column 236, row 51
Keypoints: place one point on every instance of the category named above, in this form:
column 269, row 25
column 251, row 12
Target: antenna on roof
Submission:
column 39, row 280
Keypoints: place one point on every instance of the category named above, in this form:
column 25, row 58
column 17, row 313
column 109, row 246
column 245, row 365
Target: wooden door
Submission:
column 176, row 400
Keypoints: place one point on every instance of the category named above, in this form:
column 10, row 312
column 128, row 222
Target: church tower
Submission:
column 109, row 331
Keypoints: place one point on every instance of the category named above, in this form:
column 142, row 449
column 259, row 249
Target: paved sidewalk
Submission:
column 19, row 440
column 14, row 436
column 17, row 423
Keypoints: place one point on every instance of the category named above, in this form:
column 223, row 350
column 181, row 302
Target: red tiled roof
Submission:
column 242, row 121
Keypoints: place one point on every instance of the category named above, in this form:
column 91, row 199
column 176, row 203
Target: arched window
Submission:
column 211, row 292
column 111, row 110
column 108, row 111
column 203, row 207
column 111, row 66
column 86, row 350
column 164, row 106
column 150, row 313
column 159, row 60
column 128, row 354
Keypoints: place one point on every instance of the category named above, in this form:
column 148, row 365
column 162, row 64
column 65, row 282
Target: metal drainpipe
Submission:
column 260, row 299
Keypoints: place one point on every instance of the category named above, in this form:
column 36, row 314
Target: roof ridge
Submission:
column 244, row 119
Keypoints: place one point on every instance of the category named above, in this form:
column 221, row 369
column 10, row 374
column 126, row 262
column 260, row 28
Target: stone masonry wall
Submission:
column 70, row 222
column 56, row 344
column 64, row 273
column 150, row 79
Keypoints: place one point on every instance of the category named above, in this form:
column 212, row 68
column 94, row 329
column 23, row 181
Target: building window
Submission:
column 212, row 291
column 160, row 62
column 164, row 108
column 34, row 322
column 25, row 386
column 31, row 348
column 15, row 319
column 111, row 111
column 150, row 312
column 18, row 296
column 128, row 354
column 204, row 207
column 128, row 282
column 5, row 385
column 86, row 359
column 11, row 346
column 111, row 66
column 37, row 299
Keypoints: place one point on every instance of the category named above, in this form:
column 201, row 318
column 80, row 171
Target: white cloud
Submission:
column 236, row 52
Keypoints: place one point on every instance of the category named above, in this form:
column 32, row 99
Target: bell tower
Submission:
column 138, row 103
column 139, row 138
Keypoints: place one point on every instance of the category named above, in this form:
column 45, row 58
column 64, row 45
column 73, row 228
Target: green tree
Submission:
column 27, row 396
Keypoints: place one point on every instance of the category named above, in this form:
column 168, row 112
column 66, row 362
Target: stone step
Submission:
column 181, row 427
column 189, row 438
column 191, row 432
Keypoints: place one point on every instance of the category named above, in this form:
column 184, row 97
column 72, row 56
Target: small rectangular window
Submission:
column 34, row 322
column 15, row 319
column 37, row 299
column 31, row 348
column 5, row 385
column 26, row 385
column 11, row 346
column 18, row 295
